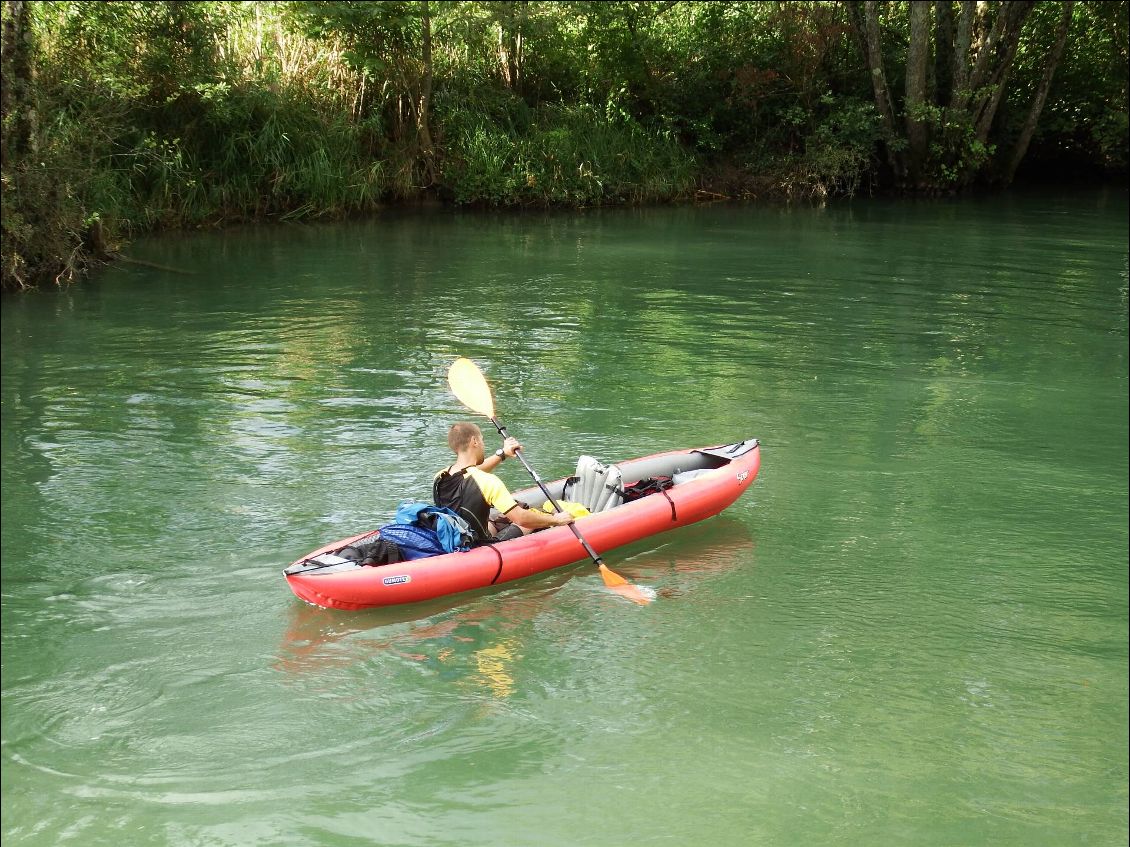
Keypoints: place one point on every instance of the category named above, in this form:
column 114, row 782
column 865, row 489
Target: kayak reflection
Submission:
column 430, row 631
column 478, row 635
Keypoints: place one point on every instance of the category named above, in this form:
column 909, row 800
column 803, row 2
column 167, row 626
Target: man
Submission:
column 470, row 489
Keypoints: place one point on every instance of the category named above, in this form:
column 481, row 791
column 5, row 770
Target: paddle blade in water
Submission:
column 624, row 588
column 611, row 578
column 470, row 386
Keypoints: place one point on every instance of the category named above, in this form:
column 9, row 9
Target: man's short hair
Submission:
column 461, row 434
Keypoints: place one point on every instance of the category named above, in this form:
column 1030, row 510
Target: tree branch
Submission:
column 1029, row 128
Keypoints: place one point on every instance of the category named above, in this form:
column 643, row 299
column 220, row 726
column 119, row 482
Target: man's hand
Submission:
column 511, row 446
column 531, row 519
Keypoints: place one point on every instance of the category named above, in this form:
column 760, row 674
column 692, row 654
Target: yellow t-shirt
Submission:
column 494, row 490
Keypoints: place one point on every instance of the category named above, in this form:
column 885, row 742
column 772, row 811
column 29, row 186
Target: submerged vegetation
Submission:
column 126, row 117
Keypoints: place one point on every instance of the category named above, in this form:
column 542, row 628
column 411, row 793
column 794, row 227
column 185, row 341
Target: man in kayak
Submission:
column 470, row 489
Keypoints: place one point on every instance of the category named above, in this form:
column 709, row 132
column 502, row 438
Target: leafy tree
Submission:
column 944, row 139
column 124, row 116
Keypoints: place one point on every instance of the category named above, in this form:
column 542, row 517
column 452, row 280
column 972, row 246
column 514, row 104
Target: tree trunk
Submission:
column 1009, row 41
column 19, row 133
column 916, row 62
column 879, row 83
column 510, row 43
column 986, row 41
column 962, row 41
column 504, row 67
column 943, row 50
column 518, row 53
column 1029, row 128
column 1003, row 36
column 855, row 18
column 423, row 131
column 983, row 55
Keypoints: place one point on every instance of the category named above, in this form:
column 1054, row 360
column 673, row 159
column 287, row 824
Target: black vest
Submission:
column 460, row 493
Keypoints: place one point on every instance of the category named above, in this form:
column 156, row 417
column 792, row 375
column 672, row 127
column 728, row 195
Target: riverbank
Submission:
column 65, row 254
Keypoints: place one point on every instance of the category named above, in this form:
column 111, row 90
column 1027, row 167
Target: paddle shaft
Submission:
column 588, row 548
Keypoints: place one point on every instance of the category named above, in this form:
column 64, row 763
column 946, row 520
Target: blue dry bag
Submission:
column 415, row 542
column 454, row 533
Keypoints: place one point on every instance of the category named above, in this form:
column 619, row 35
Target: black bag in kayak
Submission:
column 651, row 485
column 381, row 551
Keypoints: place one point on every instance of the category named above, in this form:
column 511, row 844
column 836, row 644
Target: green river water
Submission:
column 911, row 630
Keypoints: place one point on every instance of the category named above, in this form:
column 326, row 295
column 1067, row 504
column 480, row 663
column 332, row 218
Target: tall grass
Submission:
column 568, row 155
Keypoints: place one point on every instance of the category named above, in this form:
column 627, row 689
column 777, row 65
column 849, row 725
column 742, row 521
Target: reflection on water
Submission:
column 469, row 639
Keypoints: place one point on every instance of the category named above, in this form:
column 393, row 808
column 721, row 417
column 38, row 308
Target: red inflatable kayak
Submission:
column 706, row 481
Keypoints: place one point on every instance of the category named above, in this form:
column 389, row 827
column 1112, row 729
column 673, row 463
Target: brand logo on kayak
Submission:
column 397, row 580
column 743, row 476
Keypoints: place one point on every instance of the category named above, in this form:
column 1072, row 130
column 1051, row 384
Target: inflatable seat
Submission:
column 597, row 487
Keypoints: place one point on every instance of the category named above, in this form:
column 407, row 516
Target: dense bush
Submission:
column 124, row 117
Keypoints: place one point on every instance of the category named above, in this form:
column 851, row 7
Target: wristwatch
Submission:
column 501, row 454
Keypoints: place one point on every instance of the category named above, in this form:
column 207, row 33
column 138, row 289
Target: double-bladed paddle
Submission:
column 470, row 386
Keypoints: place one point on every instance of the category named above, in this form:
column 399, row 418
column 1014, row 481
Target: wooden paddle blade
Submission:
column 624, row 588
column 470, row 386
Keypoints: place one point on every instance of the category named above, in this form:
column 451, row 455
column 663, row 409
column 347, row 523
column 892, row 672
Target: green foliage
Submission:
column 1085, row 119
column 173, row 136
column 378, row 37
column 173, row 114
column 1109, row 134
column 954, row 150
column 839, row 150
